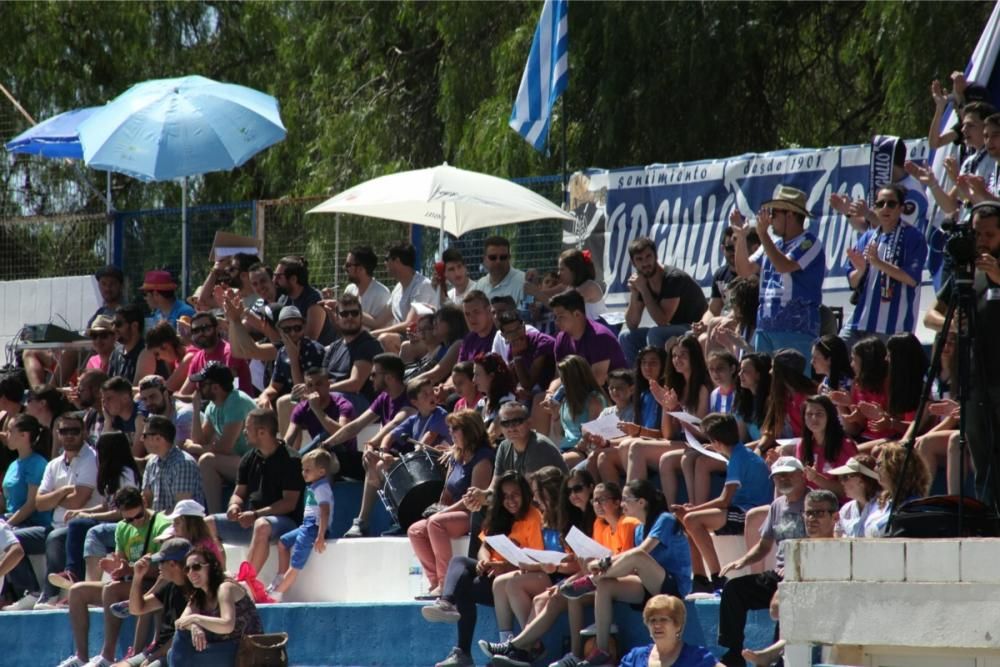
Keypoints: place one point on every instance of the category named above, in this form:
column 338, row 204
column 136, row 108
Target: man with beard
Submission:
column 153, row 393
column 87, row 398
column 102, row 338
column 348, row 361
column 983, row 404
column 212, row 347
column 297, row 354
column 670, row 296
column 130, row 358
column 121, row 411
column 221, row 443
column 754, row 591
column 67, row 484
column 360, row 269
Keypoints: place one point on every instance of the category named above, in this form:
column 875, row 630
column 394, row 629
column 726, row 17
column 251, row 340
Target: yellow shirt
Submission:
column 622, row 538
column 525, row 533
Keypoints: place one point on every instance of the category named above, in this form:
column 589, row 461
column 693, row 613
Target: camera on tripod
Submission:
column 961, row 244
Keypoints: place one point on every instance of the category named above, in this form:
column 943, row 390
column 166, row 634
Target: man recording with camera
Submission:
column 978, row 252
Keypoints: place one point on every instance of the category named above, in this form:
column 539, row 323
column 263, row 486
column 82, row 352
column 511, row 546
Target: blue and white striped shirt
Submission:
column 885, row 305
column 719, row 402
column 790, row 301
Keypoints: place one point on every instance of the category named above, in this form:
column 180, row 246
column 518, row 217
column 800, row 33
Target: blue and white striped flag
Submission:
column 545, row 75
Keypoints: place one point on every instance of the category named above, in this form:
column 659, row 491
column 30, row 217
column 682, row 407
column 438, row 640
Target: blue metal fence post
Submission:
column 118, row 240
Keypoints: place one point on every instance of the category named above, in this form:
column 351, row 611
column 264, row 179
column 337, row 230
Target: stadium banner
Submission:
column 685, row 207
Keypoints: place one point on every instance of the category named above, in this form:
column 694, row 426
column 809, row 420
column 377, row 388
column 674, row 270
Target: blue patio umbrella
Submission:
column 167, row 129
column 54, row 138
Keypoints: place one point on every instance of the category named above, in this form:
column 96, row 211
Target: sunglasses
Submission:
column 69, row 431
column 498, row 258
column 133, row 519
column 204, row 327
column 101, row 335
column 295, row 328
column 120, row 323
column 576, row 488
column 882, row 203
column 349, row 313
column 510, row 423
column 195, row 567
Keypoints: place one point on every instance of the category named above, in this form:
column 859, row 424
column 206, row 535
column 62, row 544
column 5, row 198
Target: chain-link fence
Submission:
column 152, row 239
column 50, row 246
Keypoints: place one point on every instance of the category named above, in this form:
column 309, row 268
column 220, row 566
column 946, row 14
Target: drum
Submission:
column 411, row 486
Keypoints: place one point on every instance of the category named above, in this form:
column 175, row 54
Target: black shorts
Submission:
column 735, row 519
column 668, row 587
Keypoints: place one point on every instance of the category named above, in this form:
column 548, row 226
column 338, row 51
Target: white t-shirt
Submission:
column 81, row 471
column 456, row 297
column 7, row 540
column 501, row 347
column 419, row 290
column 375, row 298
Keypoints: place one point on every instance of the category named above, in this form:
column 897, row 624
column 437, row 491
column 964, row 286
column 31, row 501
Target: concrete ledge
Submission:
column 390, row 635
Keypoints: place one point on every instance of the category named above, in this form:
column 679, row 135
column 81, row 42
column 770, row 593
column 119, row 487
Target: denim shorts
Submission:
column 300, row 542
column 231, row 532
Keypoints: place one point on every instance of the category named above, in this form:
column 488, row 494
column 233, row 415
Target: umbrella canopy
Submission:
column 173, row 128
column 453, row 200
column 55, row 138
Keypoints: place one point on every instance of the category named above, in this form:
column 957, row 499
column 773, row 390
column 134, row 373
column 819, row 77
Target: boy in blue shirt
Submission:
column 748, row 485
column 428, row 426
column 295, row 546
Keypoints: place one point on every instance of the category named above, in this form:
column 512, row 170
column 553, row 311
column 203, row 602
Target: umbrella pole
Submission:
column 110, row 232
column 184, row 239
column 441, row 236
column 336, row 256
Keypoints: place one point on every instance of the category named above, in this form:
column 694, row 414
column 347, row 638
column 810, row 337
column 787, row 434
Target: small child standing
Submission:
column 295, row 546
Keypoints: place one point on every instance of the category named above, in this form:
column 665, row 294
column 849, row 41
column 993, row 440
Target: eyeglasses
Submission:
column 70, row 430
column 194, row 567
column 511, row 423
column 133, row 519
column 498, row 258
column 349, row 313
column 628, row 499
column 295, row 328
column 816, row 514
column 576, row 488
column 600, row 500
column 883, row 203
column 202, row 328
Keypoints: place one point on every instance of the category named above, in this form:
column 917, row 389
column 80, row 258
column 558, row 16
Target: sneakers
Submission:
column 510, row 654
column 568, row 660
column 27, row 603
column 598, row 658
column 395, row 530
column 591, row 630
column 457, row 658
column 275, row 582
column 572, row 589
column 701, row 584
column 718, row 583
column 97, row 661
column 357, row 529
column 274, row 595
column 71, row 661
column 442, row 611
column 51, row 604
column 119, row 610
column 63, row 580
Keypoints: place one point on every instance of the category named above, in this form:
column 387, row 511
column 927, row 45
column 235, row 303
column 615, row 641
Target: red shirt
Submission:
column 223, row 354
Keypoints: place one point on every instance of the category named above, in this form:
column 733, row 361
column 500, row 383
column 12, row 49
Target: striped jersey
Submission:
column 885, row 305
column 790, row 302
column 721, row 402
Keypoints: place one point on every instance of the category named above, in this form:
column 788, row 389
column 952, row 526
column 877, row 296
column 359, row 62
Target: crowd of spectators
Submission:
column 190, row 426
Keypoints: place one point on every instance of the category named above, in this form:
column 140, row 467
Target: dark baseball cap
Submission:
column 175, row 549
column 213, row 372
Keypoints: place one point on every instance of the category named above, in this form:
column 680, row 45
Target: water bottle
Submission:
column 418, row 585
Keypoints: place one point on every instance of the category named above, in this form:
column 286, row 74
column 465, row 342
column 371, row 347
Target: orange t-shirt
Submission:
column 525, row 533
column 621, row 539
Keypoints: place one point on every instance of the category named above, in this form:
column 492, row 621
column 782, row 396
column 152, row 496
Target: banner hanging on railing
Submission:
column 685, row 207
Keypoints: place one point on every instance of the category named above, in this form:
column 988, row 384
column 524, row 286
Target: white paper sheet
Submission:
column 694, row 444
column 550, row 557
column 605, row 426
column 685, row 417
column 512, row 553
column 584, row 547
column 788, row 441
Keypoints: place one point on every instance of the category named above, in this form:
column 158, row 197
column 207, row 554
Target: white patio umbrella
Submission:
column 452, row 200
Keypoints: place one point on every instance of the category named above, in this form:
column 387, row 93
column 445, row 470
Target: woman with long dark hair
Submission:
column 583, row 402
column 29, row 440
column 470, row 582
column 750, row 403
column 496, row 383
column 220, row 612
column 870, row 363
column 831, row 364
column 789, row 390
column 824, row 445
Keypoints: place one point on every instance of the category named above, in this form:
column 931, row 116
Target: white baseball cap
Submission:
column 786, row 464
column 187, row 508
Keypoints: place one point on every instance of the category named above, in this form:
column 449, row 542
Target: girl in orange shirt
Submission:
column 470, row 582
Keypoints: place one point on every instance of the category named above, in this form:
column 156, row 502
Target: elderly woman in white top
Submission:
column 859, row 516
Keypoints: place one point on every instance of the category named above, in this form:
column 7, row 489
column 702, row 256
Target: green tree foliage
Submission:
column 372, row 87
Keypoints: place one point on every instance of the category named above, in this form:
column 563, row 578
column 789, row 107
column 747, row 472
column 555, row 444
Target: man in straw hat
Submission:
column 160, row 290
column 791, row 271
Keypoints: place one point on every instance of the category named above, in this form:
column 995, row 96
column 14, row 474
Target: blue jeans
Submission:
column 633, row 340
column 22, row 578
column 216, row 654
column 86, row 538
column 772, row 341
column 231, row 532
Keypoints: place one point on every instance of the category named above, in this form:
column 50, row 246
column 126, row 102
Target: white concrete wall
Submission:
column 904, row 602
column 68, row 301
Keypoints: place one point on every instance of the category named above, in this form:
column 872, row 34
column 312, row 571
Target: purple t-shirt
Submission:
column 539, row 345
column 387, row 407
column 474, row 344
column 303, row 417
column 597, row 344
